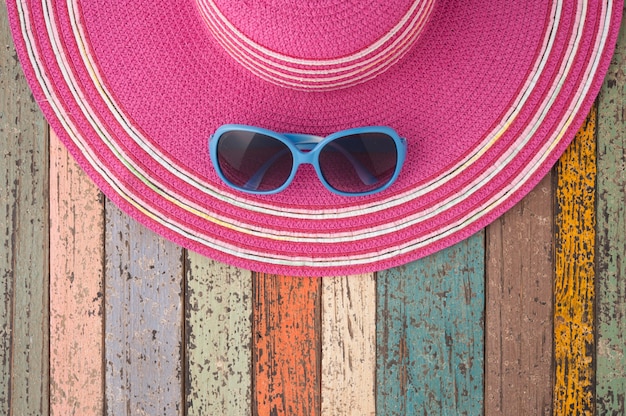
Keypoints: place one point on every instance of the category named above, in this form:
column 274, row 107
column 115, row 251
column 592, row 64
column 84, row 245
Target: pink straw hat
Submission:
column 487, row 93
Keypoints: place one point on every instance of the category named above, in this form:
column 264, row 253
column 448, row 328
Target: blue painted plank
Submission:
column 430, row 317
column 143, row 320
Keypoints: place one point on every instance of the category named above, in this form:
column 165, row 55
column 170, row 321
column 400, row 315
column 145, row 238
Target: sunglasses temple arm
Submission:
column 364, row 174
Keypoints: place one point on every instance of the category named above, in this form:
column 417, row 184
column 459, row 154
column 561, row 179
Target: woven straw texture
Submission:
column 487, row 93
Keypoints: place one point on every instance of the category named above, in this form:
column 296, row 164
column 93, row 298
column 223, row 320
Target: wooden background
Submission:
column 100, row 316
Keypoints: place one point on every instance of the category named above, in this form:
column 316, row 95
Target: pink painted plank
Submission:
column 76, row 292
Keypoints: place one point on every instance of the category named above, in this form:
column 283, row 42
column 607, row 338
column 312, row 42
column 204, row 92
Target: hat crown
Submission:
column 316, row 45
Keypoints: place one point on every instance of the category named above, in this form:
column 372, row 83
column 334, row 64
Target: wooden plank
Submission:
column 286, row 345
column 349, row 345
column 430, row 334
column 611, row 238
column 24, row 267
column 519, row 275
column 218, row 338
column 76, row 288
column 143, row 315
column 575, row 274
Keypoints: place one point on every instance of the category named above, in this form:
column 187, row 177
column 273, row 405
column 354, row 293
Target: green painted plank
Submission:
column 218, row 338
column 143, row 320
column 518, row 323
column 611, row 238
column 24, row 238
column 430, row 334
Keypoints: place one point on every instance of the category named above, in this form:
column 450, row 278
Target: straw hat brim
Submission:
column 488, row 98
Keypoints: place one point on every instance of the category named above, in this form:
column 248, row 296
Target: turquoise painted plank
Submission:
column 430, row 317
column 143, row 320
column 611, row 238
column 24, row 265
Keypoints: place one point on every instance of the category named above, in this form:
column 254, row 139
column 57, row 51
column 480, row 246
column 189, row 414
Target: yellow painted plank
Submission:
column 574, row 280
column 76, row 288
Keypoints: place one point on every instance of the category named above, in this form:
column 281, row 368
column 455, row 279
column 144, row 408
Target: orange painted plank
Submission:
column 286, row 345
column 76, row 288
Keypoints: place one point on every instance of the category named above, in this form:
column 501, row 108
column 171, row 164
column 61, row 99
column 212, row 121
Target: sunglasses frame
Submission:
column 305, row 149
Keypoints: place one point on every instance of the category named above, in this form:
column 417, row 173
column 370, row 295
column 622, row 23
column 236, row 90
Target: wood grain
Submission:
column 286, row 345
column 611, row 238
column 518, row 343
column 574, row 290
column 430, row 334
column 218, row 338
column 349, row 345
column 143, row 331
column 76, row 288
column 24, row 252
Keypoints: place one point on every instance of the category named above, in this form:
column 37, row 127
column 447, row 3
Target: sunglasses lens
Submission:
column 253, row 161
column 359, row 163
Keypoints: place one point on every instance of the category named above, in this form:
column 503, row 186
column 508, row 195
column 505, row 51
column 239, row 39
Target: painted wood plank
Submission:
column 349, row 345
column 76, row 288
column 519, row 281
column 430, row 334
column 575, row 274
column 611, row 238
column 24, row 267
column 218, row 338
column 143, row 315
column 286, row 345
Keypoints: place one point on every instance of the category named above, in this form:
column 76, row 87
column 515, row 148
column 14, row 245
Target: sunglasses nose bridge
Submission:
column 306, row 145
column 304, row 158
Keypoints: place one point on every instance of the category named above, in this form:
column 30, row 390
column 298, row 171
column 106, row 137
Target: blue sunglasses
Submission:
column 359, row 161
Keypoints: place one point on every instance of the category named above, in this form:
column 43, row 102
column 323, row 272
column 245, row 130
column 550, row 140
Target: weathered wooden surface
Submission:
column 611, row 238
column 24, row 237
column 286, row 345
column 76, row 288
column 143, row 331
column 309, row 344
column 574, row 289
column 218, row 338
column 430, row 334
column 349, row 345
column 518, row 342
